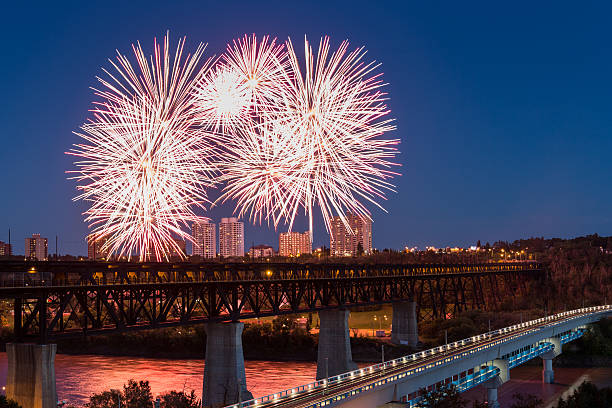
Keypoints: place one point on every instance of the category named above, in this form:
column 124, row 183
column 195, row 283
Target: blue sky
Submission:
column 503, row 110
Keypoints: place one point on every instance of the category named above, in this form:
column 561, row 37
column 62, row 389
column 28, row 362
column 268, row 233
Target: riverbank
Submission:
column 256, row 347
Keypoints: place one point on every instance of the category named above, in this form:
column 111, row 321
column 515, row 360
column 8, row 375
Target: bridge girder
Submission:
column 47, row 312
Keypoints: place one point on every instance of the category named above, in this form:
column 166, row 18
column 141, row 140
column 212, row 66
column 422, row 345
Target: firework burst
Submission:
column 259, row 168
column 331, row 115
column 141, row 167
column 248, row 78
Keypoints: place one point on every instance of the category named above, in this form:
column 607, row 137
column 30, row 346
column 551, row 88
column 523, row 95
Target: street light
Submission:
column 326, row 374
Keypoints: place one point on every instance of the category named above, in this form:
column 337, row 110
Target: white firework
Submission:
column 144, row 167
column 247, row 78
column 331, row 111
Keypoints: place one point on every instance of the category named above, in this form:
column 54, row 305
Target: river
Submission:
column 80, row 376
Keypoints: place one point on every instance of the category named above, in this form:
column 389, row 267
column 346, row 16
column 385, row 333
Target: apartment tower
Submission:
column 204, row 236
column 94, row 247
column 345, row 242
column 231, row 237
column 294, row 243
column 36, row 248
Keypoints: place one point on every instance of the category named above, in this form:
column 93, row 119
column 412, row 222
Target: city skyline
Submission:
column 510, row 166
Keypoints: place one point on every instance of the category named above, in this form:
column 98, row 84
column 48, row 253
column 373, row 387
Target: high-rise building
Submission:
column 95, row 247
column 231, row 237
column 204, row 237
column 261, row 251
column 36, row 247
column 294, row 243
column 345, row 242
column 5, row 249
column 181, row 252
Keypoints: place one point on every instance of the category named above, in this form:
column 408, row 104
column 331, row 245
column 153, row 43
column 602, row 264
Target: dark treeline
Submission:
column 588, row 396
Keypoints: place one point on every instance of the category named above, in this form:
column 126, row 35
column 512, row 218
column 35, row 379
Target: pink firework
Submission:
column 333, row 113
column 145, row 166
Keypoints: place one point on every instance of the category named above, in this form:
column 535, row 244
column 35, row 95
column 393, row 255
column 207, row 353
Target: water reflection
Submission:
column 80, row 376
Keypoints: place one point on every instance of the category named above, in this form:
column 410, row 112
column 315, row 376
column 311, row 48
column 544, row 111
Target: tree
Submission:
column 106, row 399
column 359, row 249
column 443, row 397
column 588, row 396
column 8, row 403
column 528, row 401
column 180, row 399
column 138, row 394
column 283, row 324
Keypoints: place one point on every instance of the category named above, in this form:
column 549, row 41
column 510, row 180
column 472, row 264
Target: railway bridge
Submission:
column 485, row 359
column 52, row 300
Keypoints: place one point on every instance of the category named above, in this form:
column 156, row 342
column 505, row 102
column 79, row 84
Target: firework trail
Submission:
column 325, row 122
column 141, row 168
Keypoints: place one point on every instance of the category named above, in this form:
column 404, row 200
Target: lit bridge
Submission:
column 52, row 300
column 58, row 299
column 484, row 359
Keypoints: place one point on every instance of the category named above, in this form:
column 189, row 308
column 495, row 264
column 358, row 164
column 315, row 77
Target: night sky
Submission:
column 503, row 111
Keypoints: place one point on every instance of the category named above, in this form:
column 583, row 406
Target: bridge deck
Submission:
column 30, row 273
column 322, row 393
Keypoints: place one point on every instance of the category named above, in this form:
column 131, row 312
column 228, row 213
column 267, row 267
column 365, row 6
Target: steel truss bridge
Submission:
column 60, row 299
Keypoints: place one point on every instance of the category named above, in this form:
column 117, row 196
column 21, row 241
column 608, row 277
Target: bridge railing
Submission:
column 97, row 273
column 382, row 367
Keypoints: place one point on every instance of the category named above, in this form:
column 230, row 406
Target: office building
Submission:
column 204, row 235
column 36, row 248
column 95, row 247
column 261, row 251
column 294, row 243
column 231, row 237
column 352, row 241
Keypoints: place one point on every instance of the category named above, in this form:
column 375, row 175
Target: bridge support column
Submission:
column 404, row 328
column 493, row 384
column 334, row 354
column 31, row 374
column 224, row 378
column 492, row 398
column 548, row 375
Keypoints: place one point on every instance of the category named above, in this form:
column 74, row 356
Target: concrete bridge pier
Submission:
column 31, row 374
column 404, row 328
column 493, row 384
column 224, row 378
column 548, row 375
column 334, row 353
column 492, row 398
